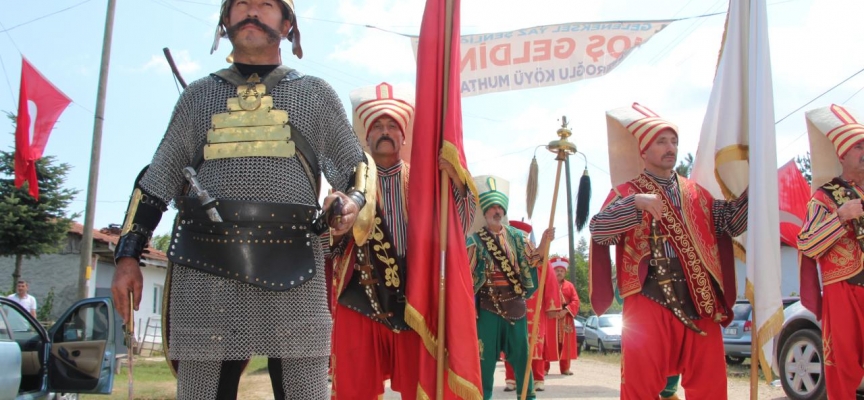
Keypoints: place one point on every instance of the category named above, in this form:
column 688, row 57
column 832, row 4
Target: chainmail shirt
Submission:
column 214, row 318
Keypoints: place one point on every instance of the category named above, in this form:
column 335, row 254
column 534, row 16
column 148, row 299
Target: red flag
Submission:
column 39, row 106
column 794, row 193
column 437, row 123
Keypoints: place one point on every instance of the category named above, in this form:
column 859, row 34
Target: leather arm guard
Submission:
column 142, row 217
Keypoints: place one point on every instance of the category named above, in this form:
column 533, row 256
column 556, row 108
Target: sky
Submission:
column 814, row 46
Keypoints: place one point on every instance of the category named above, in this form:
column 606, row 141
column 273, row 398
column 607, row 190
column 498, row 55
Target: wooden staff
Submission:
column 563, row 148
column 444, row 207
column 173, row 66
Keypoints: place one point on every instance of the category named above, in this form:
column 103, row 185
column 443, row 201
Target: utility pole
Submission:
column 98, row 120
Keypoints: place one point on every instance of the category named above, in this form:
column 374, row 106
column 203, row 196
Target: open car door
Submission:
column 81, row 352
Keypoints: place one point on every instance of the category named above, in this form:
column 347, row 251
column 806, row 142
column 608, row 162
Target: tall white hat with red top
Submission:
column 832, row 130
column 372, row 102
column 630, row 131
column 559, row 262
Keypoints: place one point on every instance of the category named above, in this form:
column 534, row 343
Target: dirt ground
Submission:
column 592, row 379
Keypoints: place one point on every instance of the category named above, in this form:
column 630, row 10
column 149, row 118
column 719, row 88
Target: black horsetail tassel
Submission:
column 583, row 198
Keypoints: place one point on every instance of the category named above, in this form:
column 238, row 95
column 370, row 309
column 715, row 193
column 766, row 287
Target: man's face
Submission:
column 21, row 287
column 494, row 216
column 663, row 152
column 853, row 160
column 256, row 24
column 385, row 137
column 560, row 273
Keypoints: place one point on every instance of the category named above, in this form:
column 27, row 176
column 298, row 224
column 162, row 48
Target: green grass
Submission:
column 154, row 380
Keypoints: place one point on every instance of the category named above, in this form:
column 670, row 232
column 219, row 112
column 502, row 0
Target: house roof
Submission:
column 112, row 236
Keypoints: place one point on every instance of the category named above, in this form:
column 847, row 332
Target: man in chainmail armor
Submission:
column 247, row 268
column 371, row 340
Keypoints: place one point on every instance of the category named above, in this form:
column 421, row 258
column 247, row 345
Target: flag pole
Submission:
column 754, row 355
column 98, row 120
column 444, row 208
column 563, row 148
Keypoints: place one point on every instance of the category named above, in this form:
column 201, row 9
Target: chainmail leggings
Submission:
column 292, row 378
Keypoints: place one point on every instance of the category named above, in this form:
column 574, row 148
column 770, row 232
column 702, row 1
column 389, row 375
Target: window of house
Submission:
column 157, row 299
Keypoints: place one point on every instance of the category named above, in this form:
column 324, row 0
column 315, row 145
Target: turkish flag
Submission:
column 794, row 193
column 437, row 124
column 39, row 106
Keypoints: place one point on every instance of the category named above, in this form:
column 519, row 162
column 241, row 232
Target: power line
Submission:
column 169, row 6
column 11, row 92
column 44, row 16
column 823, row 93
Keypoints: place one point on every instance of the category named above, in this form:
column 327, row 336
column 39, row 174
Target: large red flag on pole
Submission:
column 794, row 193
column 39, row 106
column 438, row 128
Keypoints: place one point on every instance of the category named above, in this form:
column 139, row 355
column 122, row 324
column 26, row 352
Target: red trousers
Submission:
column 655, row 346
column 537, row 369
column 843, row 338
column 365, row 354
column 563, row 365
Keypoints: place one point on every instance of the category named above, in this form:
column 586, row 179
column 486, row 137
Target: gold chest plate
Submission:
column 250, row 128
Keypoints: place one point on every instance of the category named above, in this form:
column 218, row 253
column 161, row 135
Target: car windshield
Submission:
column 741, row 311
column 610, row 321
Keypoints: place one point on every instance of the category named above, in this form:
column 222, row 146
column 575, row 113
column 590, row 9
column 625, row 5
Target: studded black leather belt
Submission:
column 268, row 245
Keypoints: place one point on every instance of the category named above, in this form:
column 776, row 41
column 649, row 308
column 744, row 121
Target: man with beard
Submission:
column 562, row 333
column 673, row 258
column 832, row 235
column 371, row 340
column 247, row 268
column 503, row 265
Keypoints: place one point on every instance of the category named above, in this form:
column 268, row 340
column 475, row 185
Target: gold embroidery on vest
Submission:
column 698, row 277
column 499, row 255
column 391, row 271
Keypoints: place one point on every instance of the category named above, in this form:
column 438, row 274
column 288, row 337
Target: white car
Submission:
column 75, row 356
column 603, row 332
column 800, row 357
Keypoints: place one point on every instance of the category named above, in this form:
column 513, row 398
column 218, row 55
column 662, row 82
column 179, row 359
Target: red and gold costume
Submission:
column 824, row 238
column 698, row 231
column 561, row 333
column 372, row 342
column 545, row 344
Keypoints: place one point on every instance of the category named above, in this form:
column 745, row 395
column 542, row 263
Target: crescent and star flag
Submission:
column 438, row 125
column 738, row 147
column 794, row 193
column 39, row 106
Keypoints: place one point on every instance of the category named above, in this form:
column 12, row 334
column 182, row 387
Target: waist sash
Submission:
column 268, row 245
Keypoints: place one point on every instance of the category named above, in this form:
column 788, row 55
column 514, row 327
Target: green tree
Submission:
column 160, row 242
column 685, row 166
column 30, row 228
column 803, row 163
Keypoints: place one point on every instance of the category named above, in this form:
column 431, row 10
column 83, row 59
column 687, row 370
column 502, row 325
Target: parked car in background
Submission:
column 736, row 336
column 579, row 328
column 603, row 332
column 75, row 356
column 799, row 355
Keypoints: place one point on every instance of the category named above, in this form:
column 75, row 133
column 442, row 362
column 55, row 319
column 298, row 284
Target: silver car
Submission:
column 603, row 332
column 799, row 355
column 75, row 356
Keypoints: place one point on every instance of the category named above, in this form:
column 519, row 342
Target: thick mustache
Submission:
column 387, row 138
column 669, row 155
column 252, row 21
